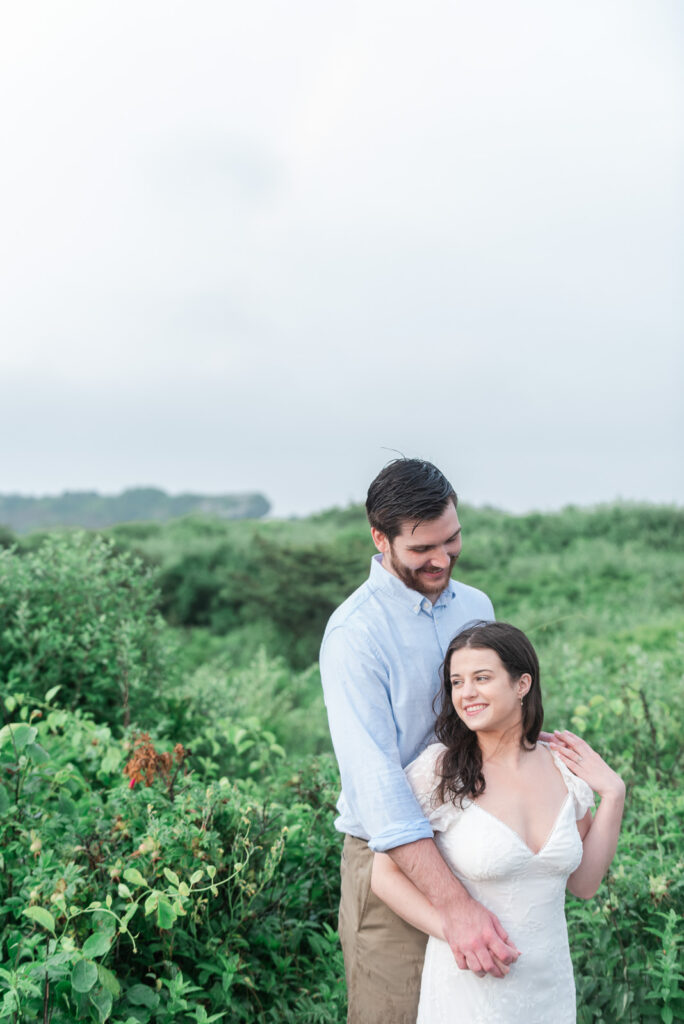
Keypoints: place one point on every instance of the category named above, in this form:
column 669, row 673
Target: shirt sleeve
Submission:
column 364, row 735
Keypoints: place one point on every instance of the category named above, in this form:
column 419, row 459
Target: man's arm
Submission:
column 364, row 736
column 476, row 936
column 390, row 884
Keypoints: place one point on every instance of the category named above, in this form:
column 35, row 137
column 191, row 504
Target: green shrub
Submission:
column 173, row 902
column 236, row 715
column 75, row 613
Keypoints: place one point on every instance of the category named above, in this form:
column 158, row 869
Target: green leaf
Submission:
column 143, row 995
column 52, row 692
column 150, row 903
column 83, row 976
column 132, row 907
column 124, row 891
column 103, row 922
column 109, row 980
column 67, row 806
column 196, row 877
column 166, row 915
column 37, row 753
column 103, row 1002
column 172, row 877
column 133, row 876
column 21, row 734
column 96, row 944
column 111, row 760
column 4, row 800
column 41, row 916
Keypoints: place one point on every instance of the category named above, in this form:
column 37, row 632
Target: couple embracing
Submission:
column 463, row 822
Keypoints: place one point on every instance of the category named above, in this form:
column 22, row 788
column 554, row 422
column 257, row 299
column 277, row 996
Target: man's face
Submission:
column 423, row 556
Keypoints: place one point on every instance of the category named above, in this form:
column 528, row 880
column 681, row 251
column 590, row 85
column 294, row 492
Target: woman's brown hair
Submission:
column 461, row 763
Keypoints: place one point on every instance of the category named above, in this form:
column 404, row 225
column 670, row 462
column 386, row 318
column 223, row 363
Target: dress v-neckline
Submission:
column 517, row 835
column 546, row 842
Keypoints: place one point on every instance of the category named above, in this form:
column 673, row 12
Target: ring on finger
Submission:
column 579, row 759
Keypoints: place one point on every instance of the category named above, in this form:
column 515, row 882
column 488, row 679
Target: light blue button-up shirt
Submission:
column 380, row 661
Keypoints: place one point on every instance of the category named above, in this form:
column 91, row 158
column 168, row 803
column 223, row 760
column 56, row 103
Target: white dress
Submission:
column 525, row 890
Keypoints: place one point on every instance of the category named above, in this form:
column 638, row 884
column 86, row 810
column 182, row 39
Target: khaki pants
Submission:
column 383, row 955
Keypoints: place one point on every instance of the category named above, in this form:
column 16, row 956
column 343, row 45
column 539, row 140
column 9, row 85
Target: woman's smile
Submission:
column 474, row 709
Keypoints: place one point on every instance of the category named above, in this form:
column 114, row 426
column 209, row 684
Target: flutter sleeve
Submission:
column 423, row 777
column 581, row 791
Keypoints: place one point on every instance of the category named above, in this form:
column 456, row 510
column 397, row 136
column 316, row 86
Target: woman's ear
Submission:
column 523, row 684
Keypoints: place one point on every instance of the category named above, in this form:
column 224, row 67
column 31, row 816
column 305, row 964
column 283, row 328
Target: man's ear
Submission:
column 380, row 540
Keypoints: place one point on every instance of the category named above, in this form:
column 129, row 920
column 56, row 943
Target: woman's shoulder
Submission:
column 580, row 791
column 426, row 765
column 424, row 776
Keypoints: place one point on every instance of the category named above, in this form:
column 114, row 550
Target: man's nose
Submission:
column 441, row 558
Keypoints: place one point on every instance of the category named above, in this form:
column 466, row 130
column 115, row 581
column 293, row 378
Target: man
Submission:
column 380, row 658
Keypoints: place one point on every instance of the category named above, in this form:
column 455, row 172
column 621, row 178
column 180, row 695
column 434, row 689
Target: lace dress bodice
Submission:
column 526, row 891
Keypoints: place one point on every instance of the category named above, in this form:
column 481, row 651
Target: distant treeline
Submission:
column 92, row 510
column 277, row 582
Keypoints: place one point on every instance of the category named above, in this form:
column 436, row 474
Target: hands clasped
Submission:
column 478, row 941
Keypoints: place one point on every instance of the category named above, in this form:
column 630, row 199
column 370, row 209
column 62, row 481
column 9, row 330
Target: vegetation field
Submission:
column 167, row 787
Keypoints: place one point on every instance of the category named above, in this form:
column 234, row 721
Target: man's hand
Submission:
column 475, row 935
column 478, row 940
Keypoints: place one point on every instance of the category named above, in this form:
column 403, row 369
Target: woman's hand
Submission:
column 584, row 762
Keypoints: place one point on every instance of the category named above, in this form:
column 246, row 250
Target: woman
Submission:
column 512, row 819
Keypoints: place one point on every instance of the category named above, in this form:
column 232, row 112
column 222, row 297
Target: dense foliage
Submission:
column 167, row 788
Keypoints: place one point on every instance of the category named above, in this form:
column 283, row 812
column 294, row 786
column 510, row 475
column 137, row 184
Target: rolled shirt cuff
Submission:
column 400, row 835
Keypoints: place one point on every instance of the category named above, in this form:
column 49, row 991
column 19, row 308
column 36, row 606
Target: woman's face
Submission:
column 482, row 692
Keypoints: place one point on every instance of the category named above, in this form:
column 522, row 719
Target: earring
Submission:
column 521, row 699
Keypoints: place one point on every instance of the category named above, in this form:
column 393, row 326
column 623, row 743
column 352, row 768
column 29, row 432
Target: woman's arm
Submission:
column 600, row 834
column 390, row 884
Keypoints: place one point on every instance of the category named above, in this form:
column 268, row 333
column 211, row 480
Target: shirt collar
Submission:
column 417, row 602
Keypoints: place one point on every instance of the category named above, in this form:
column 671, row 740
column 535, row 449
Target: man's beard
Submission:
column 414, row 579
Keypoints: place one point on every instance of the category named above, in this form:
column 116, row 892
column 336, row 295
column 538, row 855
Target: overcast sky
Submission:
column 252, row 246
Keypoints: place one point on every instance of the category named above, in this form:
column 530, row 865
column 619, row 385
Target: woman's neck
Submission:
column 502, row 748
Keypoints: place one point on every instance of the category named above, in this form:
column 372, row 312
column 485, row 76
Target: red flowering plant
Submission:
column 148, row 764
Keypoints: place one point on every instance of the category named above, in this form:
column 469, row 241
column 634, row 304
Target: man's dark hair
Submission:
column 407, row 489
